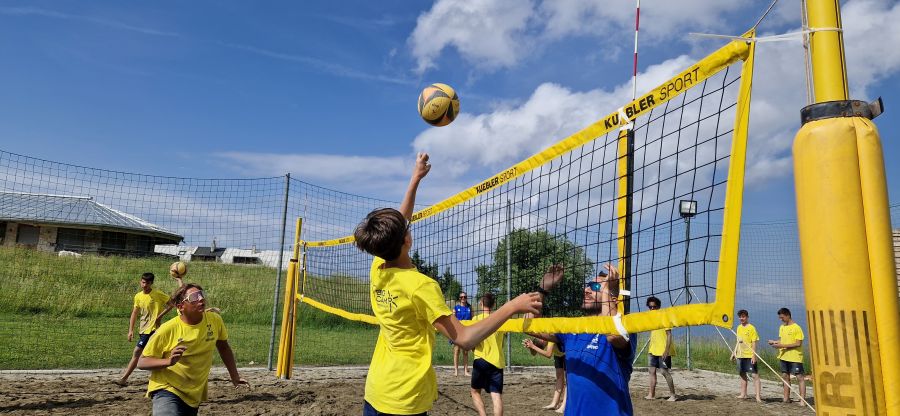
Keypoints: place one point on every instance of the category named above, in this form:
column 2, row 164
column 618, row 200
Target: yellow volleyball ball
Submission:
column 438, row 104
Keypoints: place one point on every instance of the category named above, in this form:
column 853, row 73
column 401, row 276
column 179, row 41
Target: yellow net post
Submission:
column 288, row 314
column 845, row 239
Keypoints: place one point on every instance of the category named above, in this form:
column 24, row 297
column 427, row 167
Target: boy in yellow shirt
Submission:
column 179, row 355
column 487, row 370
column 409, row 306
column 790, row 352
column 660, row 354
column 150, row 304
column 745, row 353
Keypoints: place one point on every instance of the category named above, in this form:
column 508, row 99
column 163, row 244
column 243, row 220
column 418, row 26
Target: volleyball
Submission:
column 178, row 269
column 438, row 104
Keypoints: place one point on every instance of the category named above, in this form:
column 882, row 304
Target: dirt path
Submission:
column 339, row 391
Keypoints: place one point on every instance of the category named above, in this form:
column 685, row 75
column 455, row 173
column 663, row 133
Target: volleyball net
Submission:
column 609, row 193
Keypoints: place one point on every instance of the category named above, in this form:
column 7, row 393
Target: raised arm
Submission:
column 419, row 171
column 468, row 337
column 546, row 350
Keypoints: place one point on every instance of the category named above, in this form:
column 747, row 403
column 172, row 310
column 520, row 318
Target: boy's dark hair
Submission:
column 381, row 233
column 785, row 312
column 179, row 294
column 743, row 312
column 148, row 277
column 488, row 300
column 654, row 299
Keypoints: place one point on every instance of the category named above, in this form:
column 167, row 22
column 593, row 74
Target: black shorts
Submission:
column 745, row 366
column 486, row 377
column 368, row 410
column 143, row 339
column 559, row 362
column 655, row 361
column 789, row 367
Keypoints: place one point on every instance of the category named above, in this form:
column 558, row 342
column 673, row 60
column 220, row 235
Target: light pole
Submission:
column 687, row 209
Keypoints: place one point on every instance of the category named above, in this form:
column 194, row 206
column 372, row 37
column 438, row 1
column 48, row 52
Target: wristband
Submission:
column 542, row 291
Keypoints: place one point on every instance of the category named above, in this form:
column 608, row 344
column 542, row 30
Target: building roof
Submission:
column 75, row 211
column 209, row 252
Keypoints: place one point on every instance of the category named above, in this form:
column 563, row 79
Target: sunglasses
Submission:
column 595, row 286
column 194, row 297
column 653, row 307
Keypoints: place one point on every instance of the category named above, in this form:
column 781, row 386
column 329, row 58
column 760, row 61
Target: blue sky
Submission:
column 327, row 90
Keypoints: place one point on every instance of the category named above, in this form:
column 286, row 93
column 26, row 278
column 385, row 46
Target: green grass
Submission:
column 66, row 312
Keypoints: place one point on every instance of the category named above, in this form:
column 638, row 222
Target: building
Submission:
column 268, row 258
column 76, row 223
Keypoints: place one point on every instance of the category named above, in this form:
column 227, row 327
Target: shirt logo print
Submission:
column 385, row 300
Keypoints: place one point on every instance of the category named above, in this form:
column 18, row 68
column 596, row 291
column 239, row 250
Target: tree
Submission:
column 531, row 253
column 447, row 281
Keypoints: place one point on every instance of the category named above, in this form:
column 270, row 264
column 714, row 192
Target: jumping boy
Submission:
column 790, row 352
column 660, row 354
column 463, row 312
column 745, row 353
column 487, row 370
column 149, row 303
column 179, row 355
column 407, row 304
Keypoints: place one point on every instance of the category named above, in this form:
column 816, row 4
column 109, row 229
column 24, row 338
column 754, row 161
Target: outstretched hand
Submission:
column 527, row 303
column 422, row 166
column 237, row 382
column 552, row 277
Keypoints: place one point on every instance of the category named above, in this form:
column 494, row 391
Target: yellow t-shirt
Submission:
column 406, row 303
column 746, row 336
column 187, row 378
column 658, row 343
column 150, row 305
column 790, row 334
column 491, row 349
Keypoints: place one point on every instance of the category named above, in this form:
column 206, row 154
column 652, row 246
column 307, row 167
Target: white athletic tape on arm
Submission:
column 619, row 327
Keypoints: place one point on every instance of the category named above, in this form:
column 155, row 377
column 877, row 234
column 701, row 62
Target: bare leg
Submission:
column 131, row 366
column 802, row 380
column 562, row 405
column 757, row 386
column 743, row 386
column 670, row 382
column 497, row 400
column 786, row 387
column 479, row 404
column 557, row 392
column 466, row 362
column 455, row 360
column 652, row 394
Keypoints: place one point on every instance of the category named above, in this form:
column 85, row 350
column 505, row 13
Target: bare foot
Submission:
column 561, row 410
column 758, row 399
column 671, row 399
column 742, row 397
column 468, row 373
column 549, row 406
column 456, row 373
column 801, row 403
column 785, row 400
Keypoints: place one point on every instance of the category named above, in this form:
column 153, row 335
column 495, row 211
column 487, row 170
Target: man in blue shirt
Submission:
column 463, row 312
column 598, row 367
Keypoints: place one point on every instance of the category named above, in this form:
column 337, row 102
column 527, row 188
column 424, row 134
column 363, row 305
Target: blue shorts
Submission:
column 166, row 403
column 368, row 410
column 143, row 339
column 656, row 362
column 745, row 366
column 789, row 367
column 486, row 377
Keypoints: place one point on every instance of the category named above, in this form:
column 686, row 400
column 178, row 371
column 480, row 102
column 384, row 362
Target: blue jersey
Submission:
column 463, row 313
column 597, row 375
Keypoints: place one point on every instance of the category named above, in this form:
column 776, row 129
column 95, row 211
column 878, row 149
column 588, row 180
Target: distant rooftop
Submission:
column 75, row 211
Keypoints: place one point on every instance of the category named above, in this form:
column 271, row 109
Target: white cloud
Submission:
column 487, row 33
column 871, row 36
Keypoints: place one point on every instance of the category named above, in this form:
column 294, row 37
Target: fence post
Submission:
column 287, row 189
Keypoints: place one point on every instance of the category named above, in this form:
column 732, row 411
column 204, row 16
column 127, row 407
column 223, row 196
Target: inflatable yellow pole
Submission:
column 845, row 242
